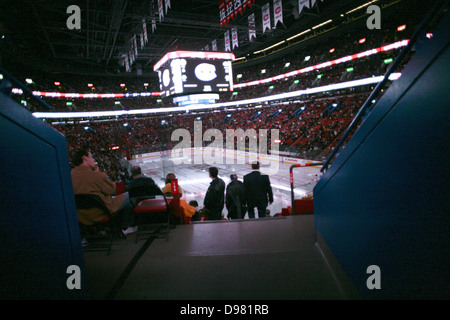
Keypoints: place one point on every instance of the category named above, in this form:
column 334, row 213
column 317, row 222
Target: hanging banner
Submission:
column 247, row 3
column 167, row 5
column 222, row 13
column 227, row 41
column 266, row 17
column 302, row 4
column 230, row 10
column 144, row 29
column 277, row 12
column 234, row 36
column 238, row 7
column 141, row 36
column 160, row 10
column 135, row 45
column 251, row 26
column 131, row 57
column 313, row 2
column 214, row 45
column 153, row 25
column 127, row 64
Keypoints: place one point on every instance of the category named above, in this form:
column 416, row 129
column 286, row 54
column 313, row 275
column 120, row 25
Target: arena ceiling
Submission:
column 34, row 33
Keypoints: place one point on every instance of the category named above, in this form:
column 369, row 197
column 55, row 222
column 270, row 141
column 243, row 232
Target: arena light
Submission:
column 298, row 34
column 57, row 83
column 401, row 28
column 270, row 47
column 337, row 86
column 87, row 95
column 361, row 6
column 322, row 24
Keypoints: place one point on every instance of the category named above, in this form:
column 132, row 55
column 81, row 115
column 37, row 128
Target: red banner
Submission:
column 229, row 9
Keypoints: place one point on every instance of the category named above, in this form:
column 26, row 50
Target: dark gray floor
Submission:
column 273, row 259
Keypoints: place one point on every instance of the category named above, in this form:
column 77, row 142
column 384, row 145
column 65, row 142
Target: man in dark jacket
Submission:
column 140, row 182
column 257, row 192
column 214, row 198
column 234, row 198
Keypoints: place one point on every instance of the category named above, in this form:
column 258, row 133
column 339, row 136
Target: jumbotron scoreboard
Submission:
column 184, row 73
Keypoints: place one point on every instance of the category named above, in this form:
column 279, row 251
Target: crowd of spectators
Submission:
column 308, row 133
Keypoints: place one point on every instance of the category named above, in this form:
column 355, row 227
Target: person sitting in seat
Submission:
column 167, row 189
column 138, row 179
column 87, row 179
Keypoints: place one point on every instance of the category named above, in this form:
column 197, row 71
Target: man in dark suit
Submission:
column 257, row 192
column 214, row 199
column 234, row 198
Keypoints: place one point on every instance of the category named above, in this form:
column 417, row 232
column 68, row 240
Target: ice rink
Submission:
column 191, row 169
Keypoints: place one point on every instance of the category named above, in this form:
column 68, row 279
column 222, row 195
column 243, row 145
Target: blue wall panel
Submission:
column 385, row 199
column 39, row 236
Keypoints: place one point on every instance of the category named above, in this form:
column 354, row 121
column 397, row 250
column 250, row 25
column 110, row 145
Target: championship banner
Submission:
column 167, row 5
column 230, row 10
column 313, row 2
column 238, row 7
column 227, row 41
column 248, row 3
column 131, row 57
column 234, row 36
column 127, row 64
column 302, row 4
column 144, row 29
column 222, row 13
column 277, row 11
column 135, row 45
column 141, row 36
column 153, row 25
column 251, row 26
column 266, row 17
column 160, row 10
column 214, row 45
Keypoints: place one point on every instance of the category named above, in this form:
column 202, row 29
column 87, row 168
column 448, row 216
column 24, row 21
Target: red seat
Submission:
column 150, row 205
column 120, row 187
column 304, row 206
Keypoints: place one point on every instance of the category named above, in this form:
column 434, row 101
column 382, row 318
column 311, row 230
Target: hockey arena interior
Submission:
column 341, row 103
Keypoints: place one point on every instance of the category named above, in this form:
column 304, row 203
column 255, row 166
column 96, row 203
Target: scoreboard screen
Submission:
column 190, row 72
